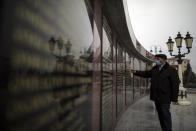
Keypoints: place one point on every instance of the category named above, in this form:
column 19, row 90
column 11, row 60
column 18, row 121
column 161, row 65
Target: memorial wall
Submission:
column 46, row 52
column 50, row 54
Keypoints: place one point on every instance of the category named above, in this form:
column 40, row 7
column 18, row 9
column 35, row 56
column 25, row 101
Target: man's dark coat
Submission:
column 164, row 83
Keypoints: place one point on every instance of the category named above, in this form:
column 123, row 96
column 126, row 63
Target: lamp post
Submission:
column 155, row 47
column 60, row 43
column 188, row 41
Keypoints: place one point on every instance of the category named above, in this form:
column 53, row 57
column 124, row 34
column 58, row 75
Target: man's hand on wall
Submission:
column 133, row 71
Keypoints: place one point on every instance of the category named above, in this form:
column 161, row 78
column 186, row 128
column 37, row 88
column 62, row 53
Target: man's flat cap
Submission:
column 163, row 56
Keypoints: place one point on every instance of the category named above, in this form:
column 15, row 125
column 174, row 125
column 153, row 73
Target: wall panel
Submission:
column 48, row 46
column 107, row 78
column 119, row 77
column 128, row 82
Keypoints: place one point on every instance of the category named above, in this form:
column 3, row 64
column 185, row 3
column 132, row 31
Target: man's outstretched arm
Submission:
column 145, row 74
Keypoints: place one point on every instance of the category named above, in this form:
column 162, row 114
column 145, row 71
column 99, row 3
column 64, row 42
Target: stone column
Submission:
column 182, row 90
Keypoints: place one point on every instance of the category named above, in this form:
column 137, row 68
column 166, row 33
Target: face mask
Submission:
column 158, row 62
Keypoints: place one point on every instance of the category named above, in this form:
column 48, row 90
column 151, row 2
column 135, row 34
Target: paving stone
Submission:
column 142, row 116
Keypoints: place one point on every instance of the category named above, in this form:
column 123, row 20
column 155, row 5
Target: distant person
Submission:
column 164, row 88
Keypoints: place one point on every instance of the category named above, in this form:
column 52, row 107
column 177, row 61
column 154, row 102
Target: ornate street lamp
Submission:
column 170, row 45
column 178, row 40
column 52, row 42
column 155, row 47
column 68, row 46
column 188, row 41
column 60, row 43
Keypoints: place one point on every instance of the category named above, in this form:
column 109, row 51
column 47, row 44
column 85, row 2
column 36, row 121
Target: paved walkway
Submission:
column 142, row 116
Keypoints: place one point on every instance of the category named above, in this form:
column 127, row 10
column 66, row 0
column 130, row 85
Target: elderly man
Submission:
column 164, row 88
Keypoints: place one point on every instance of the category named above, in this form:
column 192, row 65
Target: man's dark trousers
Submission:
column 164, row 114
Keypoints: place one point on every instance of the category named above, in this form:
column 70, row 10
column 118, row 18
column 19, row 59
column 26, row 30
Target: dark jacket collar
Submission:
column 163, row 68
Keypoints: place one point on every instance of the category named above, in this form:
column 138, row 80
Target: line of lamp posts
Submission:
column 182, row 99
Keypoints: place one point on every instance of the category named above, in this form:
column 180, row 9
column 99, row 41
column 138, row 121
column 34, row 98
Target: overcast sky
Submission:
column 153, row 21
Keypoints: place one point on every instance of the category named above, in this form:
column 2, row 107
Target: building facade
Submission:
column 173, row 62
